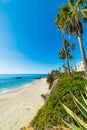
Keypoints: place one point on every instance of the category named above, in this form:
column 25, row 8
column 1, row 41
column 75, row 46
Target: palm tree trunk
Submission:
column 67, row 61
column 83, row 55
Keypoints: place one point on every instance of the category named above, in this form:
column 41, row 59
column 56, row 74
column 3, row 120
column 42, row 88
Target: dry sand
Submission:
column 18, row 108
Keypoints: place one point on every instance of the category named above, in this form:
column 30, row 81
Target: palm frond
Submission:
column 72, row 46
column 84, row 13
column 71, row 3
column 81, row 2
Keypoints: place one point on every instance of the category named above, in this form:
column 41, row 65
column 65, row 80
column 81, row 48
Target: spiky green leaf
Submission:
column 80, row 106
column 85, row 100
column 73, row 115
column 71, row 125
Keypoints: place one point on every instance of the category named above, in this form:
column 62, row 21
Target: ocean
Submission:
column 11, row 82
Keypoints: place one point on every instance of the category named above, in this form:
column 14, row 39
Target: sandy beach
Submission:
column 18, row 108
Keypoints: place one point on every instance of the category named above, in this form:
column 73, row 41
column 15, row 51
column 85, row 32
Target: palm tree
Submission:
column 70, row 18
column 66, row 44
column 65, row 53
column 65, row 68
column 62, row 54
column 72, row 46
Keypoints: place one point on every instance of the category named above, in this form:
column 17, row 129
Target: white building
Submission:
column 80, row 66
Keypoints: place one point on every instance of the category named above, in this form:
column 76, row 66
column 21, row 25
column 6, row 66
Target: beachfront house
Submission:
column 80, row 66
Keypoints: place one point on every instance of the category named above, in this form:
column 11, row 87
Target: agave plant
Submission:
column 81, row 125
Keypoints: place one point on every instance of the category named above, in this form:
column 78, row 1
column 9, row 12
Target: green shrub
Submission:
column 52, row 76
column 49, row 115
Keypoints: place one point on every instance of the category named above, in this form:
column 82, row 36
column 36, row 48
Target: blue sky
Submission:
column 29, row 39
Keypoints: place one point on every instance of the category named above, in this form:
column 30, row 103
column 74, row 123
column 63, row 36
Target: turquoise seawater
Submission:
column 13, row 82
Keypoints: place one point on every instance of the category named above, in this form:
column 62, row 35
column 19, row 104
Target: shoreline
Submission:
column 13, row 90
column 17, row 109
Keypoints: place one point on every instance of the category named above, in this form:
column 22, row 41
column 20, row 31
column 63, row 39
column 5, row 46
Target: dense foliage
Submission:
column 52, row 77
column 70, row 19
column 49, row 115
column 80, row 124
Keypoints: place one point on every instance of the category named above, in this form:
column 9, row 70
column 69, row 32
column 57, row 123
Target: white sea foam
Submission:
column 17, row 88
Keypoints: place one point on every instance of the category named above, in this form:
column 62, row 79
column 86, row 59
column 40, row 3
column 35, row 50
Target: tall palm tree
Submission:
column 65, row 53
column 72, row 46
column 70, row 18
column 62, row 56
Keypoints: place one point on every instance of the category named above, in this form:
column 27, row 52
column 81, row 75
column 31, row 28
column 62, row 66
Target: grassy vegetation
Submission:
column 80, row 124
column 49, row 115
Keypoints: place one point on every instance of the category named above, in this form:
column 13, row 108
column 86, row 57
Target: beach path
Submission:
column 18, row 108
